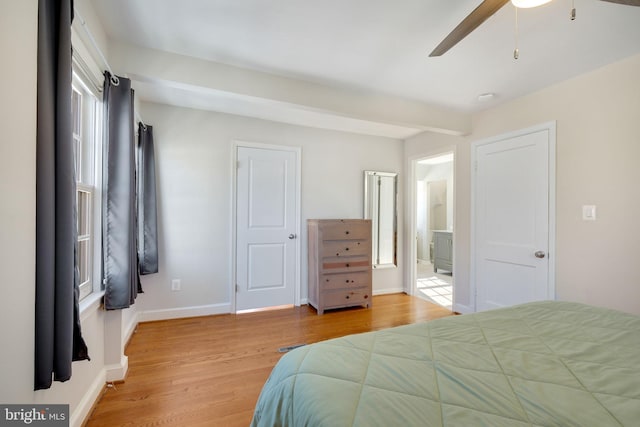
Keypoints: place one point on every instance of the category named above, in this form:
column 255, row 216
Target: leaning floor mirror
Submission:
column 380, row 194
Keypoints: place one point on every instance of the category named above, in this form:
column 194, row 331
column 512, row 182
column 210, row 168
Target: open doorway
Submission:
column 434, row 229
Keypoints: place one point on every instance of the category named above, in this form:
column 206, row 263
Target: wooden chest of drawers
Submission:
column 339, row 263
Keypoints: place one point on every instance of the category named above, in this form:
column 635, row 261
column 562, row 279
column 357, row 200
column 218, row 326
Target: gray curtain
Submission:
column 119, row 263
column 58, row 338
column 147, row 215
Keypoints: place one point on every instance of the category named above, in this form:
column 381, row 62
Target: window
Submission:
column 85, row 112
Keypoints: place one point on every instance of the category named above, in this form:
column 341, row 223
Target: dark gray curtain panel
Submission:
column 119, row 234
column 147, row 213
column 58, row 337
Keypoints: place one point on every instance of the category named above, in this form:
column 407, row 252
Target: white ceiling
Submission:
column 383, row 45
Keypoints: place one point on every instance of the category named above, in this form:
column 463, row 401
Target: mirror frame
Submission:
column 371, row 200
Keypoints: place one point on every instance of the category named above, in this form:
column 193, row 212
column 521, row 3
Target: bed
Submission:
column 539, row 364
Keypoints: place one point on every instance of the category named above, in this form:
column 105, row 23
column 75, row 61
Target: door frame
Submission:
column 551, row 255
column 411, row 186
column 234, row 197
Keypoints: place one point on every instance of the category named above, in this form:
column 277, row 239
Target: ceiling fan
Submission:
column 484, row 11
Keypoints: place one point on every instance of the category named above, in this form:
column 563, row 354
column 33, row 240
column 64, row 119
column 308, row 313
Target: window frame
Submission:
column 88, row 152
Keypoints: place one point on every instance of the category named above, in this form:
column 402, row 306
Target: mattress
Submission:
column 539, row 364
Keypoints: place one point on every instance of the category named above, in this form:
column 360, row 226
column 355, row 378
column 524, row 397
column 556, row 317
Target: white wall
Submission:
column 18, row 21
column 598, row 147
column 194, row 179
column 439, row 172
column 18, row 48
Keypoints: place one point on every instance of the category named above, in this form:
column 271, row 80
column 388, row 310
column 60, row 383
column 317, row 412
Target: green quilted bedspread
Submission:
column 540, row 364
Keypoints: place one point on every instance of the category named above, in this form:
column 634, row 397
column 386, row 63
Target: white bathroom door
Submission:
column 266, row 227
column 512, row 206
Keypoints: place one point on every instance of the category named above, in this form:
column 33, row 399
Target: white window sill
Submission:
column 90, row 304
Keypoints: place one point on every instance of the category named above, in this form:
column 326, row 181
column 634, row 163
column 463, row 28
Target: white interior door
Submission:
column 513, row 178
column 266, row 227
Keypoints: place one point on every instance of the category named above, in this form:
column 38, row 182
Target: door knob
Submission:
column 292, row 236
column 540, row 254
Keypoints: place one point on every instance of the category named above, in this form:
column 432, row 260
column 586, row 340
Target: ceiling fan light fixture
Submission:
column 525, row 4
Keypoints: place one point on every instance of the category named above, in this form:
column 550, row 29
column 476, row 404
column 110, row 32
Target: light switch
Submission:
column 589, row 212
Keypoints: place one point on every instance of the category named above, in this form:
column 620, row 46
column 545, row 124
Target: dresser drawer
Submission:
column 346, row 297
column 345, row 280
column 338, row 248
column 345, row 264
column 345, row 229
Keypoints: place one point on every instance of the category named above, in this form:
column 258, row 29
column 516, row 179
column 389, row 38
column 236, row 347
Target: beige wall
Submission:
column 194, row 152
column 598, row 147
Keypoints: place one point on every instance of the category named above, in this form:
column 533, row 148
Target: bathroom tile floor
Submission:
column 435, row 287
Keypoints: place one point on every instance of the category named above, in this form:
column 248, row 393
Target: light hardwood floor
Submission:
column 208, row 371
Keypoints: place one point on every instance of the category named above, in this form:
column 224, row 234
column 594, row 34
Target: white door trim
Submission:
column 551, row 127
column 411, row 188
column 234, row 194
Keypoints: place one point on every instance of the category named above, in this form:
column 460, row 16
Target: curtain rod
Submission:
column 114, row 78
column 95, row 45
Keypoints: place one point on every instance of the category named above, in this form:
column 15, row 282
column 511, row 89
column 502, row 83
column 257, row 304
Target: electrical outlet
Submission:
column 176, row 285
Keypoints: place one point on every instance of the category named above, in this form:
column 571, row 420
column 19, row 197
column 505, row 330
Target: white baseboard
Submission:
column 117, row 371
column 177, row 313
column 388, row 291
column 130, row 329
column 424, row 261
column 462, row 309
column 83, row 410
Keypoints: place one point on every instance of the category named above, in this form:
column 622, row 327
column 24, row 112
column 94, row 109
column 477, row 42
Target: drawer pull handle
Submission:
column 347, row 265
column 347, row 297
column 337, row 253
column 366, row 296
column 346, row 249
column 346, row 232
column 347, row 280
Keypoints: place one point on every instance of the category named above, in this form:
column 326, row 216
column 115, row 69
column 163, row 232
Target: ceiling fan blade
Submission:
column 627, row 2
column 484, row 11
